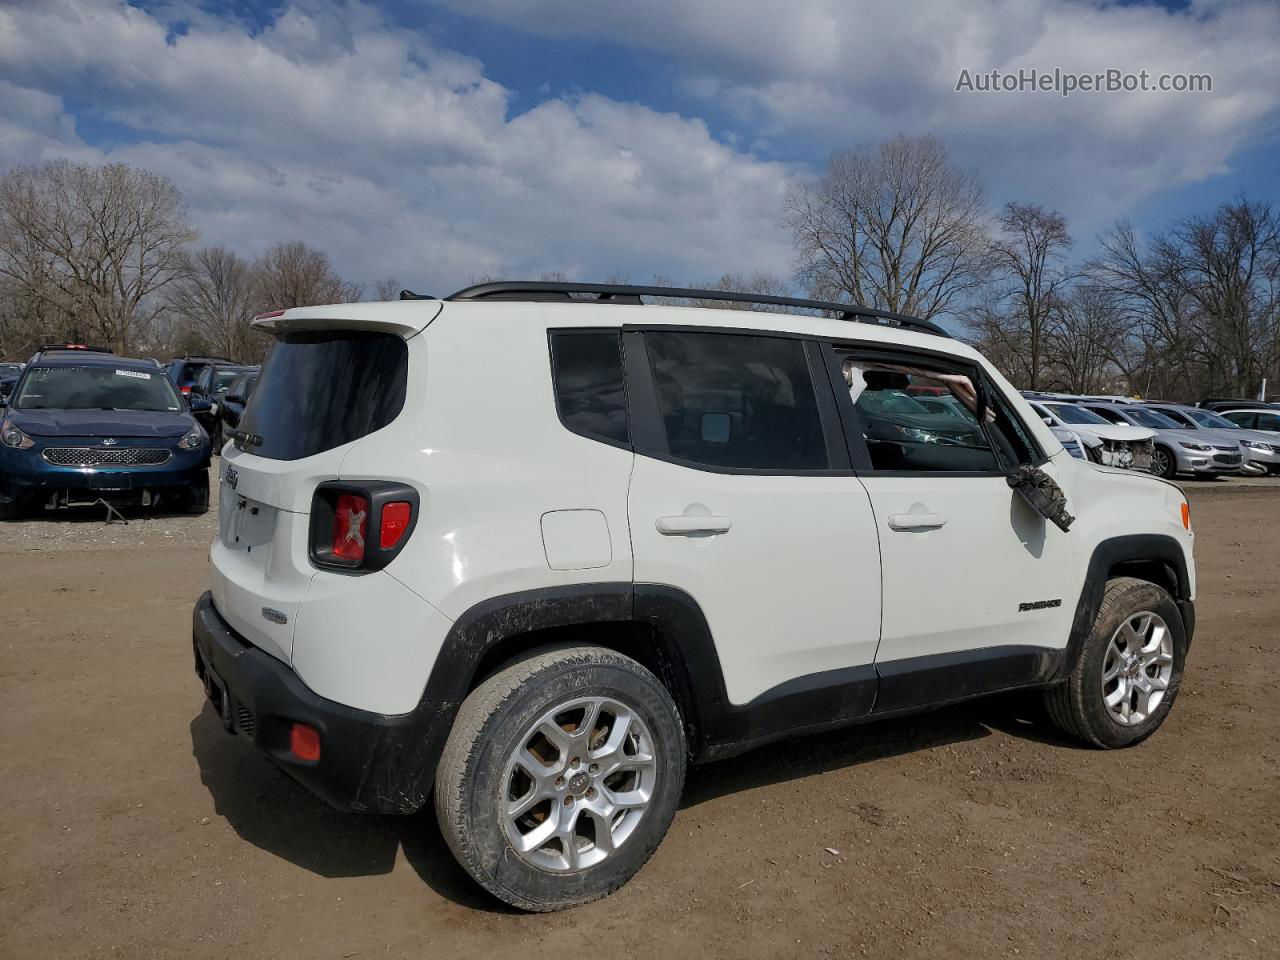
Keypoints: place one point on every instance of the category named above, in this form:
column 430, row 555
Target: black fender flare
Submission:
column 680, row 648
column 1106, row 556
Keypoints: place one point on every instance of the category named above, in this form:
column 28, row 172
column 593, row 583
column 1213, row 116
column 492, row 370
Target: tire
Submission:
column 1079, row 706
column 216, row 440
column 1164, row 463
column 196, row 497
column 478, row 770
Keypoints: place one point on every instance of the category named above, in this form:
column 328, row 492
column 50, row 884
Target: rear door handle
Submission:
column 683, row 525
column 916, row 521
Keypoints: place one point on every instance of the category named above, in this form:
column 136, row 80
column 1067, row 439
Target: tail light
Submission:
column 361, row 525
column 185, row 390
column 350, row 526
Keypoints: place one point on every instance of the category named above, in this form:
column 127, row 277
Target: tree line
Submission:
column 107, row 253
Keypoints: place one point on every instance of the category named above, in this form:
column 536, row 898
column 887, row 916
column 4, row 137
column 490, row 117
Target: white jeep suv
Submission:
column 533, row 548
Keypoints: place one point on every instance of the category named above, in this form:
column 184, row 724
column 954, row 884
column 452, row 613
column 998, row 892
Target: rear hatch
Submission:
column 324, row 385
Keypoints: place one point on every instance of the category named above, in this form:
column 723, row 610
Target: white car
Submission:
column 1265, row 421
column 1113, row 445
column 526, row 552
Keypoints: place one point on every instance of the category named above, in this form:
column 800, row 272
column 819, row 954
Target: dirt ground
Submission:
column 132, row 826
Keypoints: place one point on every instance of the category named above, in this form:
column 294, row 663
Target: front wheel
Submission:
column 196, row 497
column 1128, row 672
column 560, row 777
column 1164, row 463
column 12, row 510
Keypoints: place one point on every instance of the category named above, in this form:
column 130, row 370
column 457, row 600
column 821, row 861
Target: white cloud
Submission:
column 844, row 71
column 396, row 156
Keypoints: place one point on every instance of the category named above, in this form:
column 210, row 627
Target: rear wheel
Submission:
column 1164, row 463
column 560, row 777
column 1129, row 671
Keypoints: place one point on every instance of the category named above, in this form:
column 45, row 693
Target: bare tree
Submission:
column 1030, row 253
column 1203, row 299
column 215, row 298
column 388, row 288
column 1083, row 343
column 91, row 244
column 296, row 274
column 895, row 226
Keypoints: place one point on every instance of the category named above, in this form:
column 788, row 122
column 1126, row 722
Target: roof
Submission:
column 409, row 317
column 87, row 358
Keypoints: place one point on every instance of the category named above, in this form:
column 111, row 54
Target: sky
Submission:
column 437, row 141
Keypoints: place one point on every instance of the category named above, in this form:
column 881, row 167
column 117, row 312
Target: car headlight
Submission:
column 1202, row 447
column 11, row 436
column 195, row 437
column 1258, row 446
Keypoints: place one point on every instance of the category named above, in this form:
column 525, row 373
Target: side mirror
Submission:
column 1042, row 494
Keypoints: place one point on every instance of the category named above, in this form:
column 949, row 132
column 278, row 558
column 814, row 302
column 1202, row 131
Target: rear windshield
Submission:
column 319, row 390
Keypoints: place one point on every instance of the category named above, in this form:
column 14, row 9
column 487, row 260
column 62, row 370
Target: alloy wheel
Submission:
column 1137, row 668
column 578, row 783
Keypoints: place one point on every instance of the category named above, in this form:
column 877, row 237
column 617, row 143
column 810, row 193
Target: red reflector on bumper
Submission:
column 304, row 742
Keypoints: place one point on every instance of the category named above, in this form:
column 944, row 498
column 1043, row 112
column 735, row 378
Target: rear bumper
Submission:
column 369, row 762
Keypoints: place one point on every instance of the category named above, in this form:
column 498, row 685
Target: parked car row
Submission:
column 1169, row 439
column 80, row 425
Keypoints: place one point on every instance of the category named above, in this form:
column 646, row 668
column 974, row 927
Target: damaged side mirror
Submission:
column 1042, row 494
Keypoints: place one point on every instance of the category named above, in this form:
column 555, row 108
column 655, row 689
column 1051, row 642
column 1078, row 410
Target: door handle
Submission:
column 683, row 525
column 916, row 521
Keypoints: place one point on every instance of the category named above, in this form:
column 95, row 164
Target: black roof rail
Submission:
column 631, row 294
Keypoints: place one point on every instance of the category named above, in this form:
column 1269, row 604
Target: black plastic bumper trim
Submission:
column 369, row 762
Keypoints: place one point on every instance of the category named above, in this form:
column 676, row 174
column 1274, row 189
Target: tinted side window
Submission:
column 590, row 389
column 731, row 400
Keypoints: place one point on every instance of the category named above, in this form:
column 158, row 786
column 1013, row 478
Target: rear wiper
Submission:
column 246, row 439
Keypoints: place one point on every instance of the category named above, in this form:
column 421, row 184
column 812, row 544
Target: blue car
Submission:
column 82, row 426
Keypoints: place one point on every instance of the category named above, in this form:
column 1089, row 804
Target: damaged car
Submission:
column 1112, row 445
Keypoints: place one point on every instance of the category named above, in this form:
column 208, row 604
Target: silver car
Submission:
column 1178, row 449
column 1261, row 449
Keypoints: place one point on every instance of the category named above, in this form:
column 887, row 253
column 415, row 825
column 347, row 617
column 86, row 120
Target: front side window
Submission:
column 590, row 389
column 902, row 425
column 737, row 401
column 96, row 388
column 1268, row 421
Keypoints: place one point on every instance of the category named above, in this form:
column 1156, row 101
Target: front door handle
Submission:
column 684, row 525
column 916, row 521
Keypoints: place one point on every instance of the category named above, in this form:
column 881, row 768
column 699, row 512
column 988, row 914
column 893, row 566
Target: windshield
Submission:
column 1069, row 414
column 9, row 369
column 1149, row 418
column 96, row 388
column 1207, row 419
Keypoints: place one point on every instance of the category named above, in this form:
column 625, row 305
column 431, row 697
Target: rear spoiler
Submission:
column 407, row 318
